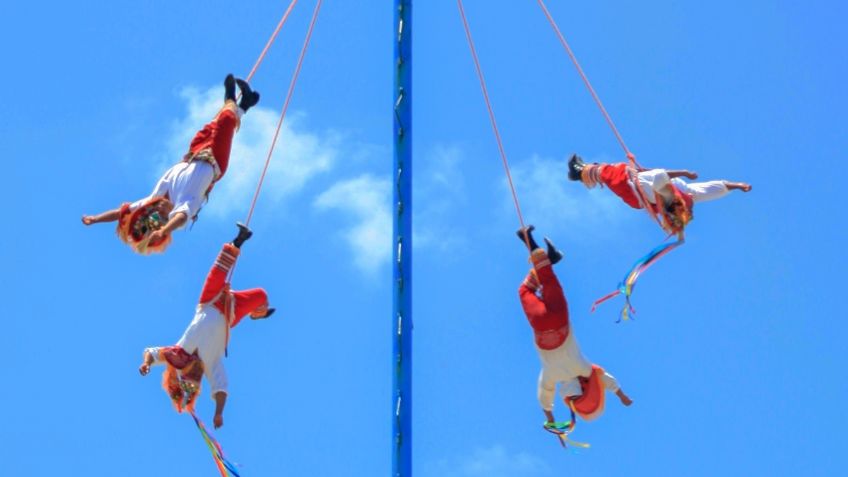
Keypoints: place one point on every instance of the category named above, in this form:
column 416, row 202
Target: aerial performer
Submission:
column 146, row 224
column 201, row 349
column 582, row 384
column 667, row 195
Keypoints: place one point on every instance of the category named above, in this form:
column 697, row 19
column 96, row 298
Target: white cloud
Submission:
column 547, row 197
column 298, row 157
column 439, row 188
column 368, row 200
column 494, row 461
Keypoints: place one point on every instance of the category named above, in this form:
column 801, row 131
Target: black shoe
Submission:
column 575, row 167
column 554, row 255
column 243, row 235
column 249, row 98
column 526, row 236
column 230, row 88
column 269, row 312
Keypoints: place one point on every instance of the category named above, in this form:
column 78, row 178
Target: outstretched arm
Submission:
column 545, row 393
column 682, row 173
column 148, row 359
column 611, row 384
column 178, row 220
column 108, row 216
column 743, row 186
column 220, row 402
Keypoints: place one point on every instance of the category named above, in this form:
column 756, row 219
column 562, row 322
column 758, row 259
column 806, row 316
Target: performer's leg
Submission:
column 525, row 234
column 533, row 306
column 575, row 167
column 249, row 98
column 244, row 233
column 552, row 294
column 554, row 255
column 230, row 88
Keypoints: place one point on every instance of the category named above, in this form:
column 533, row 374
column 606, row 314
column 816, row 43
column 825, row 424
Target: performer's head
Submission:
column 181, row 380
column 135, row 227
column 679, row 211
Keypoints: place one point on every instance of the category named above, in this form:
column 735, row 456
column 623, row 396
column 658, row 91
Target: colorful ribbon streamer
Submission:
column 225, row 467
column 563, row 429
column 626, row 286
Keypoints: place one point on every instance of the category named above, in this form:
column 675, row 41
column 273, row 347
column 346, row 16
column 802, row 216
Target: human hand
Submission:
column 144, row 369
column 218, row 421
column 87, row 219
column 157, row 236
column 691, row 175
column 624, row 398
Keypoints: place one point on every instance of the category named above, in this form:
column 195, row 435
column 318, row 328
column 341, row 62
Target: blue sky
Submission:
column 734, row 362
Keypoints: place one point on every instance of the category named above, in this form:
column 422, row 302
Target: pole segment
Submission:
column 402, row 243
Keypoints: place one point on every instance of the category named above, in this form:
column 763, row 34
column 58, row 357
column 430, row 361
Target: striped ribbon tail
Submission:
column 629, row 283
column 563, row 429
column 225, row 467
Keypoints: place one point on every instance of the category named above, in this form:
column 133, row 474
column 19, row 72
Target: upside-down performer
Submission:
column 582, row 384
column 146, row 224
column 667, row 195
column 200, row 351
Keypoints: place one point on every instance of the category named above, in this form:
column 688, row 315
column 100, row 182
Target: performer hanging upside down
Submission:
column 146, row 224
column 676, row 197
column 202, row 347
column 582, row 383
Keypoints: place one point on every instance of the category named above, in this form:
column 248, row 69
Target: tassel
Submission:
column 225, row 467
column 629, row 283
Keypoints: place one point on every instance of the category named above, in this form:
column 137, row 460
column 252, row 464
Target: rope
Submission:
column 271, row 41
column 279, row 126
column 630, row 156
column 283, row 113
column 491, row 114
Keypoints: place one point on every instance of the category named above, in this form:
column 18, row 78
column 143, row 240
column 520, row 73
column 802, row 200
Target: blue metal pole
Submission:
column 402, row 244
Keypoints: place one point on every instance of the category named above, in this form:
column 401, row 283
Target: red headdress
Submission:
column 677, row 212
column 135, row 227
column 590, row 404
column 182, row 377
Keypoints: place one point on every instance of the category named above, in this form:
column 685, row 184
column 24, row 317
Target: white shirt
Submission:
column 654, row 181
column 185, row 184
column 564, row 365
column 206, row 334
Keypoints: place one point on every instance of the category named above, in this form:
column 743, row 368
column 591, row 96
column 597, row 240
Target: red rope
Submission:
column 285, row 108
column 491, row 113
column 271, row 41
column 630, row 156
column 279, row 123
